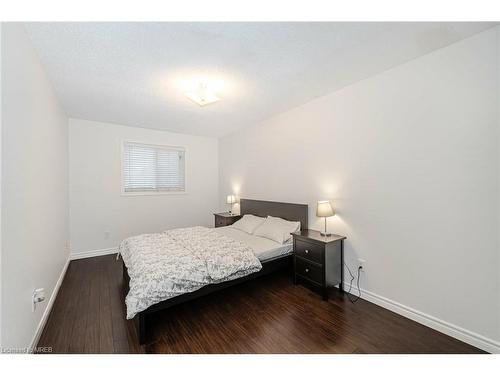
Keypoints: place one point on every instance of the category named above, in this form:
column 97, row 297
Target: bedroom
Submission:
column 250, row 187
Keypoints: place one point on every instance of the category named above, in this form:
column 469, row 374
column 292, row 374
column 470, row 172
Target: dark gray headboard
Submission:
column 287, row 211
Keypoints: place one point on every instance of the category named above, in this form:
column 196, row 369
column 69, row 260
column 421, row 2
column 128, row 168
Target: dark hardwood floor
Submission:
column 267, row 315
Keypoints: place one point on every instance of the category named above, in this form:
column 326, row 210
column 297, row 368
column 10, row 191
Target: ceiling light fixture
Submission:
column 202, row 95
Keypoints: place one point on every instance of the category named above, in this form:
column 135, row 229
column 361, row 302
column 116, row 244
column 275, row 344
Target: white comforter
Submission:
column 165, row 265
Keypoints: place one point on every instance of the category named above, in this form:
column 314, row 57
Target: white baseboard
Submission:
column 48, row 308
column 93, row 253
column 449, row 329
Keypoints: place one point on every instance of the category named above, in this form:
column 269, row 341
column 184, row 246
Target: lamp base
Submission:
column 325, row 233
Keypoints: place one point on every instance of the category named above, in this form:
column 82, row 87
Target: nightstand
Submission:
column 319, row 259
column 225, row 218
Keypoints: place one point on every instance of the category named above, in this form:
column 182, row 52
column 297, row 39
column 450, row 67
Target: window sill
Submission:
column 145, row 193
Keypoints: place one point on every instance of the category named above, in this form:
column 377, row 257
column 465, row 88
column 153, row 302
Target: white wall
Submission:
column 96, row 203
column 34, row 187
column 410, row 160
column 498, row 156
column 498, row 171
column 0, row 184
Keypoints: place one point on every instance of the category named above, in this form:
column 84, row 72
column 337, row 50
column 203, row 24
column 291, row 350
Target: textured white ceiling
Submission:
column 127, row 73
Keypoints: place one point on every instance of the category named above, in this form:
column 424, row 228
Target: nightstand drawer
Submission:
column 220, row 222
column 224, row 218
column 309, row 251
column 311, row 271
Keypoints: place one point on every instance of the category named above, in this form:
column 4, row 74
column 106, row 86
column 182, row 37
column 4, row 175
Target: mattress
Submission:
column 263, row 248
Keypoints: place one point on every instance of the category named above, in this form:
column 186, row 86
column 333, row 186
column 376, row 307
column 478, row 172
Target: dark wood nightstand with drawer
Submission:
column 319, row 259
column 223, row 219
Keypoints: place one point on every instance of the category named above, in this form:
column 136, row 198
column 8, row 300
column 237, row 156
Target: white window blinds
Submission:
column 153, row 168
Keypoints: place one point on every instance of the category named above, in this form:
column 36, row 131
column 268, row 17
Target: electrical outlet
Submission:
column 38, row 296
column 362, row 264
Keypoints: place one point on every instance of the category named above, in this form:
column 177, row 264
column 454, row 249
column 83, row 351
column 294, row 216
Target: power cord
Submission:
column 353, row 300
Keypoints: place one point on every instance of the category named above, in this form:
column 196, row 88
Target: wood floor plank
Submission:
column 80, row 315
column 64, row 318
column 105, row 317
column 118, row 321
column 266, row 315
column 93, row 326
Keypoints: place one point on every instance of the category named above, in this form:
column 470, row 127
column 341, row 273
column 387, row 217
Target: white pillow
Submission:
column 294, row 225
column 277, row 229
column 248, row 223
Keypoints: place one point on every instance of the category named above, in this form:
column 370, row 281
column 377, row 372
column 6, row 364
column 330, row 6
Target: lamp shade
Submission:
column 230, row 199
column 324, row 209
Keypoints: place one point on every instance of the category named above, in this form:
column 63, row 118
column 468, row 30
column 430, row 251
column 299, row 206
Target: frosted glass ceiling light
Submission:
column 202, row 95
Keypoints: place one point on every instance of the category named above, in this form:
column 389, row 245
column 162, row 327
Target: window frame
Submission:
column 145, row 193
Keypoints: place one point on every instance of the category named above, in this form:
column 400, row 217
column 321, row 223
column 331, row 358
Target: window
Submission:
column 153, row 168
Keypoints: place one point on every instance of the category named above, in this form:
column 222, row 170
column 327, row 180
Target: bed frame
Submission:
column 288, row 211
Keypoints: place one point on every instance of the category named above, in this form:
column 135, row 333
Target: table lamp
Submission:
column 231, row 199
column 324, row 209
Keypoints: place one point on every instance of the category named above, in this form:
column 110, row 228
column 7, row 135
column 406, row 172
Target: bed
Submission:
column 271, row 257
